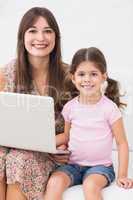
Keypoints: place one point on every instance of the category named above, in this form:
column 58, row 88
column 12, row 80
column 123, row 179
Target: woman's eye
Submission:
column 48, row 31
column 32, row 31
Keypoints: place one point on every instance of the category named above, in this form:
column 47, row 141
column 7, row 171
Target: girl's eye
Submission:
column 81, row 74
column 94, row 74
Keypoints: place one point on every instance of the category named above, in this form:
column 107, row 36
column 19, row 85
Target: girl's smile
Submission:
column 88, row 79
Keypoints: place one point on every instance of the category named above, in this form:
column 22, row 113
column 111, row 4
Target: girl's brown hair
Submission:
column 23, row 76
column 94, row 55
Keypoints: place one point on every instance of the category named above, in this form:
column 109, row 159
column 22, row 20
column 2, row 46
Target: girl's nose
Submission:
column 87, row 78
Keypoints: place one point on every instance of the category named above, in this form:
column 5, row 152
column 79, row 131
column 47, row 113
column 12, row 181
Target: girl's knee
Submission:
column 58, row 179
column 91, row 186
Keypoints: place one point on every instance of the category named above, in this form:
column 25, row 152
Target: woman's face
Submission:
column 39, row 39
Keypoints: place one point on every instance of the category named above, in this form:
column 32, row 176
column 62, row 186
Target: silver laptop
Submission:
column 27, row 122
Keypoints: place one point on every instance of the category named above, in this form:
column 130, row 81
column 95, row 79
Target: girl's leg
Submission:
column 93, row 185
column 14, row 192
column 2, row 189
column 58, row 182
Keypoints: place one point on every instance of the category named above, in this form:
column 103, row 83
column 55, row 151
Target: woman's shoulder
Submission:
column 9, row 67
column 66, row 69
column 68, row 85
column 8, row 72
column 65, row 65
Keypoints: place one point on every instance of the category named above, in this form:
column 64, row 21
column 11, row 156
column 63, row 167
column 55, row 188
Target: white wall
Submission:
column 107, row 25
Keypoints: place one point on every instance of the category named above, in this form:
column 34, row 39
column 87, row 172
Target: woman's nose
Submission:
column 40, row 36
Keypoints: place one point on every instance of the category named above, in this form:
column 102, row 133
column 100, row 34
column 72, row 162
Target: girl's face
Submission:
column 88, row 79
column 39, row 39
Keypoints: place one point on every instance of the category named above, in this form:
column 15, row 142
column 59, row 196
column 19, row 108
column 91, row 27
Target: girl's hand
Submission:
column 62, row 147
column 124, row 183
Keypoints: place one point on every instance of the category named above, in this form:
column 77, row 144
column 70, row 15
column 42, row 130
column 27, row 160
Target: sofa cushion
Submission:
column 110, row 193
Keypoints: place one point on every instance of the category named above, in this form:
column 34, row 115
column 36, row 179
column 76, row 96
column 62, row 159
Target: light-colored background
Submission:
column 107, row 25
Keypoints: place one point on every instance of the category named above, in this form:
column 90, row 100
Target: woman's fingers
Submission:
column 61, row 158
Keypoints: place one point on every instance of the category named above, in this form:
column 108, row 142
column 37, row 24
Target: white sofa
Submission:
column 113, row 192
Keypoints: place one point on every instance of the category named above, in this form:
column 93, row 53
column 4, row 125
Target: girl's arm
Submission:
column 61, row 141
column 63, row 138
column 123, row 154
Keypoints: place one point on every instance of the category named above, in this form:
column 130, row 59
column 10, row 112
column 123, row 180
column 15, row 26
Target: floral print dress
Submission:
column 30, row 169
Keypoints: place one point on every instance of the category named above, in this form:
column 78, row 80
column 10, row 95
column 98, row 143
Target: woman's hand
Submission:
column 60, row 158
column 124, row 183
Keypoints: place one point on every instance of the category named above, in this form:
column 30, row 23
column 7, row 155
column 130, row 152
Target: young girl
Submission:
column 92, row 119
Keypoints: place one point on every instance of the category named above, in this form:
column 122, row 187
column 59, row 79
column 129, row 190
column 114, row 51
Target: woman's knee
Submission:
column 3, row 179
column 3, row 154
column 14, row 192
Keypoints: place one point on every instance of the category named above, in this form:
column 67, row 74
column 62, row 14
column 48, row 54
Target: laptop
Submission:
column 28, row 122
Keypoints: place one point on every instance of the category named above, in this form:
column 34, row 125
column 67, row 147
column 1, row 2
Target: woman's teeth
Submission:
column 40, row 46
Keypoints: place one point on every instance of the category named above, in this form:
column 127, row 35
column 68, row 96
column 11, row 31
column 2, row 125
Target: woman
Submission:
column 37, row 70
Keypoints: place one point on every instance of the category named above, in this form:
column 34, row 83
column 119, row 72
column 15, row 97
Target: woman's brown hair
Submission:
column 94, row 55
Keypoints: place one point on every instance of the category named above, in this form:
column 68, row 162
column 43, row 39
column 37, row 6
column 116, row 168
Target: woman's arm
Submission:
column 64, row 137
column 2, row 81
column 123, row 154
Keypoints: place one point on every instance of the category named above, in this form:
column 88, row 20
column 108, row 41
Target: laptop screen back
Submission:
column 27, row 122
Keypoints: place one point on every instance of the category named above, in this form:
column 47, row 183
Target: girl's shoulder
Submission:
column 109, row 106
column 71, row 103
column 111, row 111
column 108, row 102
